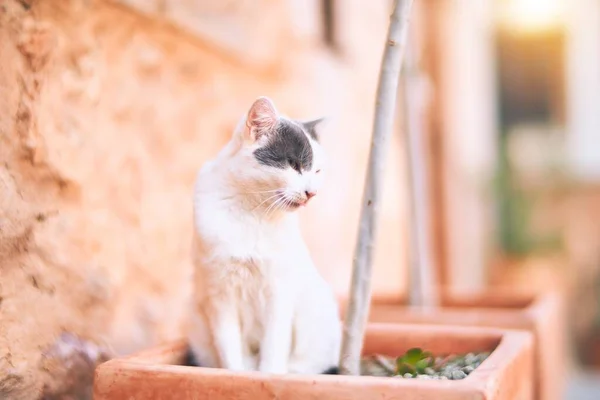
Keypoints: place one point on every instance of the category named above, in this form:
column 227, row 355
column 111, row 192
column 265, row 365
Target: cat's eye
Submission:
column 317, row 171
column 295, row 165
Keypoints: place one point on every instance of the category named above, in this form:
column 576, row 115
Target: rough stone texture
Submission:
column 105, row 116
column 68, row 363
column 230, row 26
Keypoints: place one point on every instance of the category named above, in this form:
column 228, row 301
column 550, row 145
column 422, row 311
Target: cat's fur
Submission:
column 259, row 302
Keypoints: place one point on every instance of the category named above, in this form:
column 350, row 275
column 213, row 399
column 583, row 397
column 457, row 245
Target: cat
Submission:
column 259, row 303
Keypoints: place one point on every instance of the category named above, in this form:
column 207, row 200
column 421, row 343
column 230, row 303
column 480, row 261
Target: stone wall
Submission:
column 107, row 111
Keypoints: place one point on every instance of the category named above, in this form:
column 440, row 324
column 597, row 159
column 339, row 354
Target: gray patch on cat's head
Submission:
column 287, row 146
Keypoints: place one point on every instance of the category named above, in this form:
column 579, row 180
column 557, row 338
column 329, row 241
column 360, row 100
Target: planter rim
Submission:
column 510, row 344
column 530, row 298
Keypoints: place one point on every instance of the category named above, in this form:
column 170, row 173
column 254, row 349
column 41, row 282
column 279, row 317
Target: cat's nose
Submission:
column 310, row 195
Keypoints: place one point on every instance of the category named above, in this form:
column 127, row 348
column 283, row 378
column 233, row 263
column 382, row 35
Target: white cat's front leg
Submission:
column 276, row 344
column 227, row 337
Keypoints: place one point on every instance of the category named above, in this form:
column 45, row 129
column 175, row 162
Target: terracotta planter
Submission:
column 589, row 351
column 540, row 314
column 533, row 273
column 505, row 375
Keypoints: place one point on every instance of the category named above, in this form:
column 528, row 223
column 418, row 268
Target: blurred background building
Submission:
column 108, row 109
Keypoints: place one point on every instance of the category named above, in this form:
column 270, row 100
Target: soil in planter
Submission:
column 413, row 364
column 416, row 364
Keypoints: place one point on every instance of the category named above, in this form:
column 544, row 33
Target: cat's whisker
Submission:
column 264, row 201
column 276, row 205
column 263, row 191
column 279, row 198
column 287, row 202
column 283, row 204
column 272, row 206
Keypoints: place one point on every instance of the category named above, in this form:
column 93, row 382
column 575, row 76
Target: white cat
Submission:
column 259, row 302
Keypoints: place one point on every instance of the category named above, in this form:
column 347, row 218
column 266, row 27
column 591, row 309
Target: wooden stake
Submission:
column 385, row 105
column 423, row 288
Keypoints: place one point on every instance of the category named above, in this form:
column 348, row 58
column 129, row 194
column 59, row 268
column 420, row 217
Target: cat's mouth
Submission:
column 290, row 202
column 294, row 204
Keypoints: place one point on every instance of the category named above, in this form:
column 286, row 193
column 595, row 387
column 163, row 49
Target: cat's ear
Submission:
column 262, row 118
column 311, row 127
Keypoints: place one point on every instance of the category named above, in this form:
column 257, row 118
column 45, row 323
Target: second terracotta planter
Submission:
column 505, row 375
column 540, row 314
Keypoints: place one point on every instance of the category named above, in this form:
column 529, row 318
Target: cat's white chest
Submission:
column 240, row 236
column 249, row 290
column 245, row 262
column 252, row 256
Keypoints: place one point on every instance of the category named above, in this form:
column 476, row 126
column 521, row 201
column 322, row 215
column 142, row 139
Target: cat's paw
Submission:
column 270, row 368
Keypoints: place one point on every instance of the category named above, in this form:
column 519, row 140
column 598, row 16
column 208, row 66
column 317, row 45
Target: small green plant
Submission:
column 414, row 362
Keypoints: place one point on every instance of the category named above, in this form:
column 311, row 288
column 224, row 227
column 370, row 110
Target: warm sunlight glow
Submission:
column 531, row 16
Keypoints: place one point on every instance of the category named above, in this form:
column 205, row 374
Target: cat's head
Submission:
column 283, row 162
